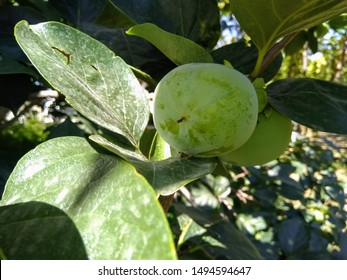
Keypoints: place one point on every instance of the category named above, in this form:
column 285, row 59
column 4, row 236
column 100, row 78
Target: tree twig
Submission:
column 273, row 52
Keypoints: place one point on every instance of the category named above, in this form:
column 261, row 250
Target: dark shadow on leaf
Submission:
column 39, row 231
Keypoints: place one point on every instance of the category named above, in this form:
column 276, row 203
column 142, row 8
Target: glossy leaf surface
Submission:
column 314, row 103
column 178, row 49
column 95, row 81
column 166, row 176
column 266, row 21
column 36, row 230
column 114, row 208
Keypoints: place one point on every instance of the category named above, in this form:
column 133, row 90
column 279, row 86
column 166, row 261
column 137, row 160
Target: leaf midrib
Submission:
column 50, row 54
column 284, row 22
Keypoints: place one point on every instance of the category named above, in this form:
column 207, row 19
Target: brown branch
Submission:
column 275, row 50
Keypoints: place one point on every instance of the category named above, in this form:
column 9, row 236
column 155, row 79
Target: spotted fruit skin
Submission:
column 269, row 140
column 205, row 109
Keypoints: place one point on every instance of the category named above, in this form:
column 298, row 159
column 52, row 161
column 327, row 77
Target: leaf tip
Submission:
column 19, row 24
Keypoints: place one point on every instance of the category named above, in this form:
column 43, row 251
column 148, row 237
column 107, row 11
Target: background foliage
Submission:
column 291, row 208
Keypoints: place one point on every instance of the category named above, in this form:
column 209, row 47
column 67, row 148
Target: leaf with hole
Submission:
column 94, row 80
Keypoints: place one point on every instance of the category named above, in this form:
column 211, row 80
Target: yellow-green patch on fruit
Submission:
column 205, row 109
column 268, row 141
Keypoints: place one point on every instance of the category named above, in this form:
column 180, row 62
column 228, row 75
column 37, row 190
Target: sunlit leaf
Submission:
column 197, row 20
column 178, row 49
column 114, row 208
column 95, row 81
column 243, row 58
column 166, row 176
column 266, row 21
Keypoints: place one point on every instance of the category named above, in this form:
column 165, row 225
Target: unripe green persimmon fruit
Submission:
column 268, row 141
column 205, row 109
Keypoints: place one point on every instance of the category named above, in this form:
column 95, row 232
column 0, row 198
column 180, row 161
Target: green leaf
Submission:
column 117, row 147
column 66, row 128
column 146, row 141
column 159, row 149
column 197, row 20
column 314, row 103
column 178, row 49
column 288, row 187
column 78, row 12
column 114, row 208
column 46, row 8
column 266, row 21
column 188, row 229
column 241, row 55
column 166, row 176
column 9, row 16
column 11, row 66
column 297, row 43
column 221, row 239
column 236, row 245
column 291, row 189
column 336, row 192
column 36, row 230
column 339, row 23
column 342, row 254
column 95, row 82
column 133, row 50
column 243, row 58
column 2, row 255
column 293, row 236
